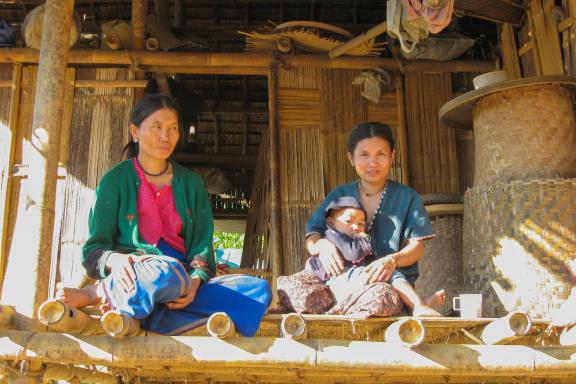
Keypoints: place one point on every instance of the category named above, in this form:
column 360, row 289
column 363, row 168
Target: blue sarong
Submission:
column 161, row 279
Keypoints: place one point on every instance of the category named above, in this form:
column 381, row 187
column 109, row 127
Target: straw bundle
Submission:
column 543, row 116
column 441, row 263
column 256, row 251
column 100, row 121
column 518, row 237
column 307, row 37
column 432, row 155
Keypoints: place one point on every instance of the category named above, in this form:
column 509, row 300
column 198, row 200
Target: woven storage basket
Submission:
column 525, row 133
column 441, row 263
column 518, row 237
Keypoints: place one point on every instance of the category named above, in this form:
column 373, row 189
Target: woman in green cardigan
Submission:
column 150, row 238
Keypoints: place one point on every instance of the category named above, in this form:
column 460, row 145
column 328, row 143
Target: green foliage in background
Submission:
column 228, row 240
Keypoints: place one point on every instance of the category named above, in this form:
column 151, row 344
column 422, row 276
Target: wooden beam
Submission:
column 110, row 83
column 31, row 251
column 216, row 160
column 233, row 60
column 495, row 11
column 547, row 38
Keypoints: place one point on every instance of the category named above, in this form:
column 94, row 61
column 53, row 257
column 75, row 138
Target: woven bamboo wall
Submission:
column 99, row 131
column 316, row 111
column 432, row 152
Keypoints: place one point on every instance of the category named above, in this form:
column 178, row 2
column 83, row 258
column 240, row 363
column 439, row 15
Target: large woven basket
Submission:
column 518, row 238
column 525, row 133
column 441, row 263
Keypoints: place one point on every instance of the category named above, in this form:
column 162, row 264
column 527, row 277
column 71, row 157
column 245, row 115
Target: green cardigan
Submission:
column 113, row 222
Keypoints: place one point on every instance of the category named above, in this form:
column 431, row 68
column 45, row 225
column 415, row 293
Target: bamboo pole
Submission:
column 220, row 325
column 6, row 186
column 209, row 354
column 33, row 234
column 293, row 326
column 61, row 317
column 547, row 38
column 117, row 324
column 59, row 373
column 245, row 60
column 138, row 37
column 402, row 129
column 356, row 41
column 506, row 329
column 445, row 209
column 408, row 332
column 275, row 198
column 110, row 83
column 7, row 314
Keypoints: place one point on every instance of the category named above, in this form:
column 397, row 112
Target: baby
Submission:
column 345, row 222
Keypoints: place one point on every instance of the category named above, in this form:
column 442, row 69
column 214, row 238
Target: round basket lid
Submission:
column 457, row 113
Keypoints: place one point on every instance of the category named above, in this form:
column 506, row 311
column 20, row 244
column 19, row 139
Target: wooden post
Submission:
column 26, row 283
column 402, row 135
column 511, row 64
column 8, row 136
column 274, row 156
column 138, row 36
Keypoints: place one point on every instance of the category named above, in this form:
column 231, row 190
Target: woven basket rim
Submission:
column 457, row 113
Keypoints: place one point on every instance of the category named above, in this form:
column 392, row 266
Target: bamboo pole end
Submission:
column 293, row 326
column 117, row 324
column 51, row 311
column 408, row 332
column 220, row 325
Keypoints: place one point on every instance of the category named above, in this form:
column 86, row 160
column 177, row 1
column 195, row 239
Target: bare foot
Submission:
column 425, row 311
column 78, row 297
column 436, row 300
column 565, row 316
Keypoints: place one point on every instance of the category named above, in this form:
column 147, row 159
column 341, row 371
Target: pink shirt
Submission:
column 157, row 215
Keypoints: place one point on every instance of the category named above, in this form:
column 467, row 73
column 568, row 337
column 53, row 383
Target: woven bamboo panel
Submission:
column 299, row 78
column 298, row 108
column 342, row 108
column 543, row 117
column 518, row 237
column 100, row 119
column 441, row 263
column 432, row 149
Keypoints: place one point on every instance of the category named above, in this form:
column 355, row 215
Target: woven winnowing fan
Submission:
column 307, row 36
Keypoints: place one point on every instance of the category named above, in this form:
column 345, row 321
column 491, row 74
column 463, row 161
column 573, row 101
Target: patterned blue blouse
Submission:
column 401, row 216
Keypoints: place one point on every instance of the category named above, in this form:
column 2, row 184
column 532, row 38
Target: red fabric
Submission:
column 157, row 215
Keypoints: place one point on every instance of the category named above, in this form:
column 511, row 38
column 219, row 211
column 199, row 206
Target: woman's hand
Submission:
column 329, row 257
column 120, row 265
column 381, row 269
column 188, row 297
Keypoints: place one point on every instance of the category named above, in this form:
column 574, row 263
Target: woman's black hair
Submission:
column 144, row 107
column 368, row 130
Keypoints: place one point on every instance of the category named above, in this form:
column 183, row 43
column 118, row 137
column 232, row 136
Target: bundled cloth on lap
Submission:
column 161, row 279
